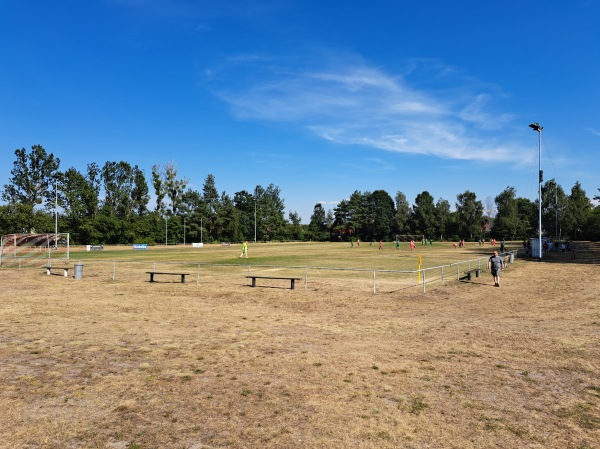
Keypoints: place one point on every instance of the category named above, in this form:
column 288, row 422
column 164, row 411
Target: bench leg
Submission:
column 253, row 282
column 66, row 272
column 293, row 283
column 48, row 271
column 151, row 277
column 183, row 278
column 468, row 276
column 477, row 274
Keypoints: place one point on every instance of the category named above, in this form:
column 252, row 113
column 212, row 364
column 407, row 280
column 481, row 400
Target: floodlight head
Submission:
column 536, row 127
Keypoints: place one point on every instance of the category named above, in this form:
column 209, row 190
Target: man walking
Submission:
column 496, row 264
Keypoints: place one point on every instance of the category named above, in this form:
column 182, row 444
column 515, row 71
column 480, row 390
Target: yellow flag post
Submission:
column 420, row 260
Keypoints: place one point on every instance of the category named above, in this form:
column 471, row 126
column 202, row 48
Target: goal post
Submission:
column 29, row 249
column 409, row 237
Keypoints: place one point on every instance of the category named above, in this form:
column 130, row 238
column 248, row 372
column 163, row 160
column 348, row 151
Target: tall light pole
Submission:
column 201, row 241
column 254, row 220
column 184, row 230
column 556, row 209
column 55, row 215
column 536, row 127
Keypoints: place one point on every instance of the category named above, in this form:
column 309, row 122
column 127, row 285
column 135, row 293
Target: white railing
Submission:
column 342, row 278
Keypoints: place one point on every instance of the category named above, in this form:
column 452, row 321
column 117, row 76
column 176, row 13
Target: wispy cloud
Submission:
column 354, row 104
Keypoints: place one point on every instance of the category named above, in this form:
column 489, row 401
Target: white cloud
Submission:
column 354, row 104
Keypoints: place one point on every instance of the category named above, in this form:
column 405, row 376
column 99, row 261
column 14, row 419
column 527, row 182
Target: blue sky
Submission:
column 320, row 98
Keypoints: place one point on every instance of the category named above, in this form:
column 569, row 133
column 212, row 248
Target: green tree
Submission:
column 592, row 231
column 528, row 218
column 193, row 209
column 118, row 183
column 175, row 187
column 424, row 215
column 32, row 181
column 381, row 207
column 92, row 199
column 507, row 223
column 159, row 188
column 443, row 218
column 245, row 204
column 228, row 221
column 210, row 195
column 168, row 186
column 78, row 201
column 296, row 228
column 33, row 177
column 353, row 218
column 317, row 227
column 272, row 209
column 470, row 214
column 139, row 193
column 577, row 213
column 403, row 213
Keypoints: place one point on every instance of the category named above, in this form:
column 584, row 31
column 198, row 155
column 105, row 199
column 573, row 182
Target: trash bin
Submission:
column 78, row 272
column 512, row 257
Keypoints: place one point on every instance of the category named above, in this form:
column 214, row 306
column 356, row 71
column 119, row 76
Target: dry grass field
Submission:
column 129, row 364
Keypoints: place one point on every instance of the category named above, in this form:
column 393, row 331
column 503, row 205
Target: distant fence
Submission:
column 316, row 278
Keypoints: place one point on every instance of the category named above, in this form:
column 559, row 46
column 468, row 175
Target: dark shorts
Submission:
column 495, row 272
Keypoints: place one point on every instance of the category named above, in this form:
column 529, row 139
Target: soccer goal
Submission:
column 409, row 237
column 30, row 249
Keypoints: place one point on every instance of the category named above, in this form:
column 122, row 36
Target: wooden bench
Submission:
column 154, row 273
column 49, row 270
column 291, row 279
column 468, row 273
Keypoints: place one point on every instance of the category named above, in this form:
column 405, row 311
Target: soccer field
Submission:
column 336, row 266
column 125, row 363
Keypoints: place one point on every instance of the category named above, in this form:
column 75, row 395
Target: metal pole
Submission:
column 166, row 231
column 254, row 220
column 536, row 127
column 540, row 195
column 556, row 211
column 184, row 230
column 201, row 230
column 55, row 216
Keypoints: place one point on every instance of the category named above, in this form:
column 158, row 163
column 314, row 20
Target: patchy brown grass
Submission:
column 97, row 363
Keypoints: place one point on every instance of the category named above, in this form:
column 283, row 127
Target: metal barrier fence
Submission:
column 317, row 278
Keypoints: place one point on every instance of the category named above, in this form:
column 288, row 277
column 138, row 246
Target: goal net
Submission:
column 32, row 249
column 409, row 237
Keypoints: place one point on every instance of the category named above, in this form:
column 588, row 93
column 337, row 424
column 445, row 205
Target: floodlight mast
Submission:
column 55, row 215
column 537, row 127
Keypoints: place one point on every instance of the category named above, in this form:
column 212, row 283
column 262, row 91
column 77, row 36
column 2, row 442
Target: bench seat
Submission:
column 291, row 279
column 49, row 269
column 471, row 271
column 167, row 273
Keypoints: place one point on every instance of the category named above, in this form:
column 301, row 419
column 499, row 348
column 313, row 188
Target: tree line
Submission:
column 110, row 204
